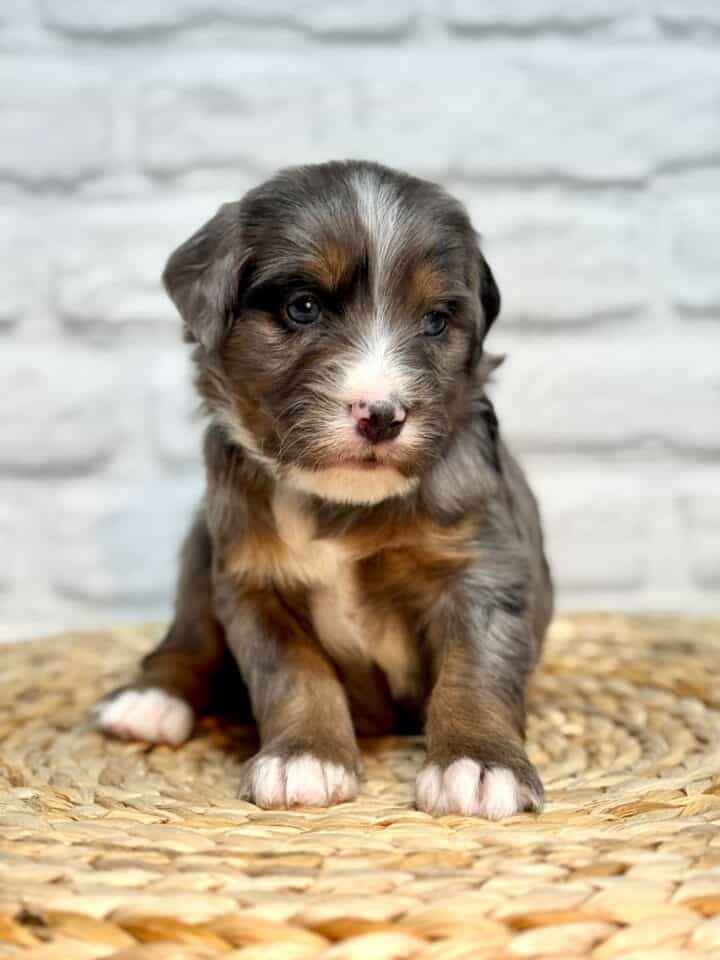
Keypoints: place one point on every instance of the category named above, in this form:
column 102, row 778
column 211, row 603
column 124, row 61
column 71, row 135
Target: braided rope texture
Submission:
column 121, row 851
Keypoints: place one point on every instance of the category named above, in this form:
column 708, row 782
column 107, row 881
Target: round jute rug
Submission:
column 116, row 850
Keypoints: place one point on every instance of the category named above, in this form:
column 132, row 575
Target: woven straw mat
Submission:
column 118, row 850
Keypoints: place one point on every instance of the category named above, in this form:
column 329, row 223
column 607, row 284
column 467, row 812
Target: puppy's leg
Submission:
column 175, row 682
column 308, row 753
column 476, row 763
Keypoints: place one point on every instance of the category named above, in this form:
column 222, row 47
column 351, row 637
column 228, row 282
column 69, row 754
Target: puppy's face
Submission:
column 340, row 311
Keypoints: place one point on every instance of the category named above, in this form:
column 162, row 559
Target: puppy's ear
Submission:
column 202, row 277
column 489, row 293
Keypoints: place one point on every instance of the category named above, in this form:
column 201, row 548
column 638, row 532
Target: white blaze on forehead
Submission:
column 380, row 211
column 376, row 370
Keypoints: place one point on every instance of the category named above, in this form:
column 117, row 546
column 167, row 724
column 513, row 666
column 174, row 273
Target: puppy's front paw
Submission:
column 470, row 788
column 152, row 715
column 297, row 780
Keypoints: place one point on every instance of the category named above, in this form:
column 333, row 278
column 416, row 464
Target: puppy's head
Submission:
column 340, row 311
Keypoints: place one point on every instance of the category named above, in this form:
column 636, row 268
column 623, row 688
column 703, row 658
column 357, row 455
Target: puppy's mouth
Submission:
column 387, row 455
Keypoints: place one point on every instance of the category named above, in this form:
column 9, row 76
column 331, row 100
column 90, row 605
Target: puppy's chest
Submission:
column 355, row 632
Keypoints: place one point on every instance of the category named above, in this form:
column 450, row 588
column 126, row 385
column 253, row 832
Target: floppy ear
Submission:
column 202, row 277
column 489, row 293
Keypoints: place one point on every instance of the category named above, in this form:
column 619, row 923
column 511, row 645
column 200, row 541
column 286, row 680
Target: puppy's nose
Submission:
column 378, row 420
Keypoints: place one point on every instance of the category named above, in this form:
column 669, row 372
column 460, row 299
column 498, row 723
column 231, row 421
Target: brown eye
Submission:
column 303, row 309
column 434, row 323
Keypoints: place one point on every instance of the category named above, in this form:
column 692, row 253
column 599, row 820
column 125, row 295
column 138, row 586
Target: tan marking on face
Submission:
column 328, row 264
column 424, row 285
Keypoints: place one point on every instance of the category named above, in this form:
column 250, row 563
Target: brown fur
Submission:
column 440, row 594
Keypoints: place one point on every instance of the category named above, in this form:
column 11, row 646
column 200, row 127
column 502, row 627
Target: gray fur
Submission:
column 457, row 556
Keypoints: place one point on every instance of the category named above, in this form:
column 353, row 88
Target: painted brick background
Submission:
column 584, row 135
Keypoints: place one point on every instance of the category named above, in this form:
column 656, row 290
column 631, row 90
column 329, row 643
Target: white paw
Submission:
column 151, row 715
column 466, row 787
column 302, row 780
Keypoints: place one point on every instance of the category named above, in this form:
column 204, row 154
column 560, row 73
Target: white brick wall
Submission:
column 584, row 136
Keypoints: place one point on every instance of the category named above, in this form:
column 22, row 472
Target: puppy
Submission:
column 368, row 552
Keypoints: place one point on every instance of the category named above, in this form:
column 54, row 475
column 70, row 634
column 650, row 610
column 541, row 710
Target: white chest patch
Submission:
column 346, row 628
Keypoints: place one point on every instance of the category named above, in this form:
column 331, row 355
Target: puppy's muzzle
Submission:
column 378, row 420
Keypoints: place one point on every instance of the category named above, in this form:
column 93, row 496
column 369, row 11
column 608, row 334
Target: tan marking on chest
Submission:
column 353, row 633
column 349, row 629
column 418, row 562
column 285, row 555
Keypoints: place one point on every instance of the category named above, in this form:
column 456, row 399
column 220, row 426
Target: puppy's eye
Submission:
column 303, row 309
column 434, row 323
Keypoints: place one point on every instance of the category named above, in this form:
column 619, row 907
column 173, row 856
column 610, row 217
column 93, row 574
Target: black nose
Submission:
column 379, row 421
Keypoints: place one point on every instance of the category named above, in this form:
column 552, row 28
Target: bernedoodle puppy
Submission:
column 368, row 552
